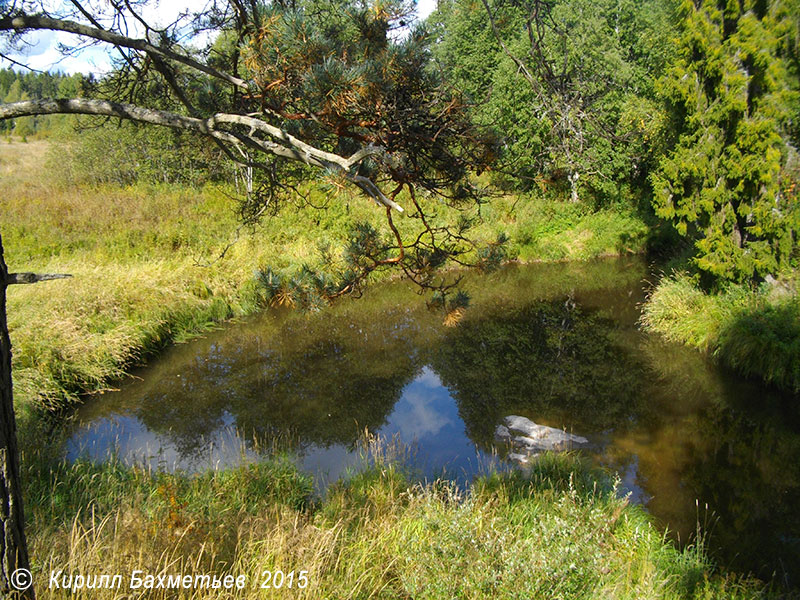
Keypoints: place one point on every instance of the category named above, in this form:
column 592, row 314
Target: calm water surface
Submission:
column 558, row 344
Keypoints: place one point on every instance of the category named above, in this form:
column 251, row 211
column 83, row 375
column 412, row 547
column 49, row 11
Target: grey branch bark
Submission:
column 23, row 22
column 284, row 145
column 19, row 278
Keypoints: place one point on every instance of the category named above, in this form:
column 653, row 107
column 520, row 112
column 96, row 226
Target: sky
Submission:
column 42, row 50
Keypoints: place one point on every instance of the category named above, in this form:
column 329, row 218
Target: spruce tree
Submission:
column 728, row 182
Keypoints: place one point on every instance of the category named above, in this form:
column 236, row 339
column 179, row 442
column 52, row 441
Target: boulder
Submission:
column 502, row 434
column 527, row 438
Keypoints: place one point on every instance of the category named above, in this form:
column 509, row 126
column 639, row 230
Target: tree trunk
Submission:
column 573, row 185
column 13, row 548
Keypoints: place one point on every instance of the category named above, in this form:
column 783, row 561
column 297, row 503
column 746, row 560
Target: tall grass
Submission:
column 558, row 531
column 750, row 330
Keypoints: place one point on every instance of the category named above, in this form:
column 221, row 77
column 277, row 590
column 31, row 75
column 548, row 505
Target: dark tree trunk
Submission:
column 13, row 548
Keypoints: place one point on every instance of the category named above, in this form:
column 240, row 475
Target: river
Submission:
column 556, row 343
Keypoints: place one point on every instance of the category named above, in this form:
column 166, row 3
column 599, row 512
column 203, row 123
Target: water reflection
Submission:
column 556, row 362
column 557, row 344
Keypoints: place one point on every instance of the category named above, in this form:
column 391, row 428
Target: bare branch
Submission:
column 94, row 22
column 19, row 64
column 306, row 149
column 289, row 147
column 22, row 22
column 19, row 278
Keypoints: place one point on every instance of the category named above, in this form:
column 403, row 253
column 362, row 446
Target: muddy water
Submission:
column 558, row 344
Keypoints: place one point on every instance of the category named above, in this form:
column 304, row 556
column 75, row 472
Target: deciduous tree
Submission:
column 568, row 83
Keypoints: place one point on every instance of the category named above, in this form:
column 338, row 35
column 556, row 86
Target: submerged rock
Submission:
column 527, row 438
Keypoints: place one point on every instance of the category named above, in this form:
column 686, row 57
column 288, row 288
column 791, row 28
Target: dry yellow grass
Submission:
column 146, row 269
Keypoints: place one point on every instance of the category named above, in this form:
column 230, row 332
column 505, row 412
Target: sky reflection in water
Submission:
column 425, row 419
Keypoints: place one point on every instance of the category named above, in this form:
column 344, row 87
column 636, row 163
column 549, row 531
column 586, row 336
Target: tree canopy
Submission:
column 728, row 180
column 569, row 83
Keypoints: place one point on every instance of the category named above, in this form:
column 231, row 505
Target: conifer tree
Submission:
column 728, row 183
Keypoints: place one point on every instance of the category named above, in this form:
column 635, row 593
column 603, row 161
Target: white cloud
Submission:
column 417, row 415
column 428, row 378
column 45, row 55
column 39, row 42
column 425, row 8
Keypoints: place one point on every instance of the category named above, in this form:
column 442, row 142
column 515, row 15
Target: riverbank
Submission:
column 148, row 266
column 753, row 331
column 559, row 531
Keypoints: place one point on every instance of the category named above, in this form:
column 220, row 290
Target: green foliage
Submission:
column 125, row 153
column 727, row 183
column 586, row 106
column 333, row 72
column 305, row 288
column 15, row 87
column 548, row 229
column 313, row 288
column 751, row 331
column 59, row 491
column 491, row 256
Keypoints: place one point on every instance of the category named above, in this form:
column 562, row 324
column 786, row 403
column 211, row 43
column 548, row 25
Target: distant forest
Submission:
column 16, row 86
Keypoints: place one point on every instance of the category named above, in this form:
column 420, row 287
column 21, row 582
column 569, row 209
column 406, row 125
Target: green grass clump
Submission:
column 753, row 331
column 558, row 531
column 547, row 229
column 59, row 491
column 765, row 342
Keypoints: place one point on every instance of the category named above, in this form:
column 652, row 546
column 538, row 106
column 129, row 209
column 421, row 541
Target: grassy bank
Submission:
column 754, row 331
column 147, row 272
column 559, row 531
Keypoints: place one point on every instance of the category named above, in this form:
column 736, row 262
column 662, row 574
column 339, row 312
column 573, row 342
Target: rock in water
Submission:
column 528, row 438
column 521, row 459
column 502, row 434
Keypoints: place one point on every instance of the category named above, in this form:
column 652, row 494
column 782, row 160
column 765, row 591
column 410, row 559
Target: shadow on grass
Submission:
column 765, row 341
